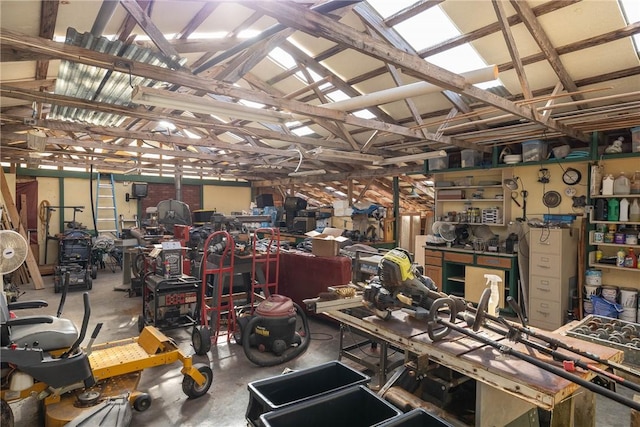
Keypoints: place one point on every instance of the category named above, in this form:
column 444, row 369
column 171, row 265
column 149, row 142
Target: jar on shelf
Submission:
column 621, row 185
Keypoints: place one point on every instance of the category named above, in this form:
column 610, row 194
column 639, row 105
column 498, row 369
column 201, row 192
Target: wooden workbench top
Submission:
column 480, row 361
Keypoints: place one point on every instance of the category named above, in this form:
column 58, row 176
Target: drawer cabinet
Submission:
column 433, row 266
column 553, row 261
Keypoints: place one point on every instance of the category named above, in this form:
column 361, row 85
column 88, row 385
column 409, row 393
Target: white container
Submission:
column 634, row 211
column 621, row 185
column 629, row 298
column 534, row 150
column 628, row 315
column 439, row 163
column 624, row 210
column 593, row 279
column 587, row 306
column 607, row 185
column 610, row 293
column 470, row 158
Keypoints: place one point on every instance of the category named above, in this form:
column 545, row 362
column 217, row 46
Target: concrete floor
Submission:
column 226, row 402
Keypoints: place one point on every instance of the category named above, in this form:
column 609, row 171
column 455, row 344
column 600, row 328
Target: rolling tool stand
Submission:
column 170, row 299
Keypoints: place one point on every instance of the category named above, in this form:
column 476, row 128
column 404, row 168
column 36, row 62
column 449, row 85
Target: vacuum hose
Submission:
column 271, row 359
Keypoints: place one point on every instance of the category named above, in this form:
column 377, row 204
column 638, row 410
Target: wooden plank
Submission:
column 15, row 219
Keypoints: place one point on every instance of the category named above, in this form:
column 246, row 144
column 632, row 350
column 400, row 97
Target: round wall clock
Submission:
column 571, row 176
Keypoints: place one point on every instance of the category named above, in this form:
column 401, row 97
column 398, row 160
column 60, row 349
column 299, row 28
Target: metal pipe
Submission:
column 407, row 91
column 103, row 17
column 560, row 344
column 560, row 356
column 543, row 365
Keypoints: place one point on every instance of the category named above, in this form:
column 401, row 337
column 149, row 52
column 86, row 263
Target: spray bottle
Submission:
column 494, row 300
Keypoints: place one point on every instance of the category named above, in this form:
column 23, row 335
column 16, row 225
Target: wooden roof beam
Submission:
column 540, row 36
column 511, row 47
column 316, row 24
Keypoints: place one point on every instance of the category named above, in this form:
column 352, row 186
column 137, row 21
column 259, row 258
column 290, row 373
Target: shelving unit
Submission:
column 472, row 193
column 610, row 247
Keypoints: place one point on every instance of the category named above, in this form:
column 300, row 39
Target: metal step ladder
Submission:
column 106, row 212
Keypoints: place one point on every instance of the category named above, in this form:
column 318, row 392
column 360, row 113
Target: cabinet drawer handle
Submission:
column 543, row 289
column 543, row 266
column 544, row 313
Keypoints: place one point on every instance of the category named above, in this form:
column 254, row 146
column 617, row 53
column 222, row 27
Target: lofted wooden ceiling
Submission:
column 567, row 68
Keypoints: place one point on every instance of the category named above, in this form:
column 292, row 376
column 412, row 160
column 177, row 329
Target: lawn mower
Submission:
column 41, row 357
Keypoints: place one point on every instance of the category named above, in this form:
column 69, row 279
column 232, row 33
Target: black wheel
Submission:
column 94, row 271
column 56, row 286
column 141, row 323
column 201, row 340
column 88, row 281
column 191, row 388
column 142, row 402
column 7, row 415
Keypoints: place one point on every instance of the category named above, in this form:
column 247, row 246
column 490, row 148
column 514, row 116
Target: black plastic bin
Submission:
column 284, row 390
column 355, row 406
column 416, row 418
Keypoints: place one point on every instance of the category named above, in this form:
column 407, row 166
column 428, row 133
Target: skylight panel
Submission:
column 338, row 95
column 437, row 24
column 191, row 134
column 247, row 34
column 207, row 35
column 631, row 10
column 282, row 58
column 387, row 8
column 364, row 114
column 302, row 131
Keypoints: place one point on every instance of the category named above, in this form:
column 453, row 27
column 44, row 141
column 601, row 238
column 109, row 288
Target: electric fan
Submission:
column 14, row 251
column 445, row 230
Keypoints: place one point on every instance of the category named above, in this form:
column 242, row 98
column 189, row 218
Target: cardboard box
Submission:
column 326, row 243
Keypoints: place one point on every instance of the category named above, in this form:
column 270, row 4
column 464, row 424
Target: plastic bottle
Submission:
column 607, row 185
column 494, row 300
column 635, row 183
column 613, row 212
column 634, row 211
column 621, row 185
column 624, row 210
column 631, row 261
column 602, row 209
column 620, row 256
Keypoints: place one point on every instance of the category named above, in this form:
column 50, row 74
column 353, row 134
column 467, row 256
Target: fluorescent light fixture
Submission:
column 309, row 172
column 411, row 158
column 343, row 156
column 205, row 105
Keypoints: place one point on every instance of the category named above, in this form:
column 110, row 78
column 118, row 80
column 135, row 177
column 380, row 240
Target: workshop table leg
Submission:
column 497, row 408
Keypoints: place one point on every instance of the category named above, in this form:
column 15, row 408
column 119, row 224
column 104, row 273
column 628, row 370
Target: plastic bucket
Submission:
column 629, row 314
column 587, row 307
column 610, row 293
column 593, row 277
column 629, row 297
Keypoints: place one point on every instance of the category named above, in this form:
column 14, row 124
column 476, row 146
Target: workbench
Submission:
column 507, row 388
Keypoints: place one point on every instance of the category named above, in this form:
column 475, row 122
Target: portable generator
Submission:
column 169, row 303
